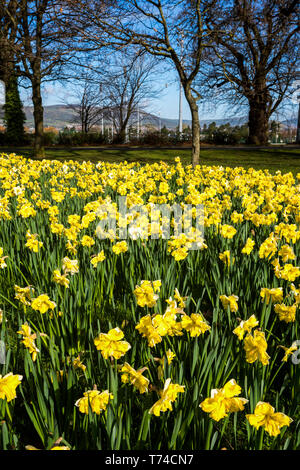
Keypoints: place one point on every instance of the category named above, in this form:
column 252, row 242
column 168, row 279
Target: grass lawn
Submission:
column 284, row 159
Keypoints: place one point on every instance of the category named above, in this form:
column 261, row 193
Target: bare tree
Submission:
column 126, row 87
column 14, row 116
column 172, row 30
column 254, row 59
column 40, row 53
column 114, row 92
column 88, row 105
column 8, row 31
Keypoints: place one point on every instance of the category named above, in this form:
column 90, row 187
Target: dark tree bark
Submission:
column 195, row 125
column 258, row 123
column 38, row 113
column 14, row 117
column 40, row 50
column 254, row 59
column 8, row 30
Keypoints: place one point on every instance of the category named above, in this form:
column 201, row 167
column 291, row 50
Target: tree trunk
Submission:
column 258, row 123
column 121, row 136
column 195, row 138
column 298, row 127
column 195, row 126
column 38, row 113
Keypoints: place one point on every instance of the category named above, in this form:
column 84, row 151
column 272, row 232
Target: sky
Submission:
column 2, row 94
column 167, row 105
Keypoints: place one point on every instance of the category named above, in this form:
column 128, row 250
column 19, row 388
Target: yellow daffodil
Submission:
column 87, row 241
column 230, row 301
column 167, row 324
column 245, row 326
column 146, row 328
column 180, row 253
column 228, row 231
column 77, row 364
column 225, row 257
column 70, row 266
column 248, row 246
column 256, row 348
column 135, row 377
column 60, row 279
column 296, row 293
column 60, row 448
column 32, row 242
column 288, row 351
column 287, row 253
column 169, row 356
column 264, row 415
column 223, row 401
column 110, row 344
column 275, row 294
column 97, row 401
column 29, row 340
column 23, row 294
column 286, row 313
column 27, row 210
column 8, row 385
column 145, row 293
column 289, row 272
column 195, row 324
column 268, row 248
column 42, row 303
column 180, row 300
column 97, row 258
column 120, row 247
column 2, row 259
column 167, row 396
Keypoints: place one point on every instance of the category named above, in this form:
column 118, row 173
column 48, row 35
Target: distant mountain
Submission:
column 173, row 123
column 60, row 116
column 235, row 121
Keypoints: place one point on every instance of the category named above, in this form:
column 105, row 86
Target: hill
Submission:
column 60, row 116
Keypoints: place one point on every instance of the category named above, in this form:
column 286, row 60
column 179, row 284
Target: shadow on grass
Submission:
column 273, row 159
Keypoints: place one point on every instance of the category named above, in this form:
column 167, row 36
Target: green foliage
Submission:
column 274, row 159
column 225, row 134
column 102, row 298
column 71, row 137
column 14, row 116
